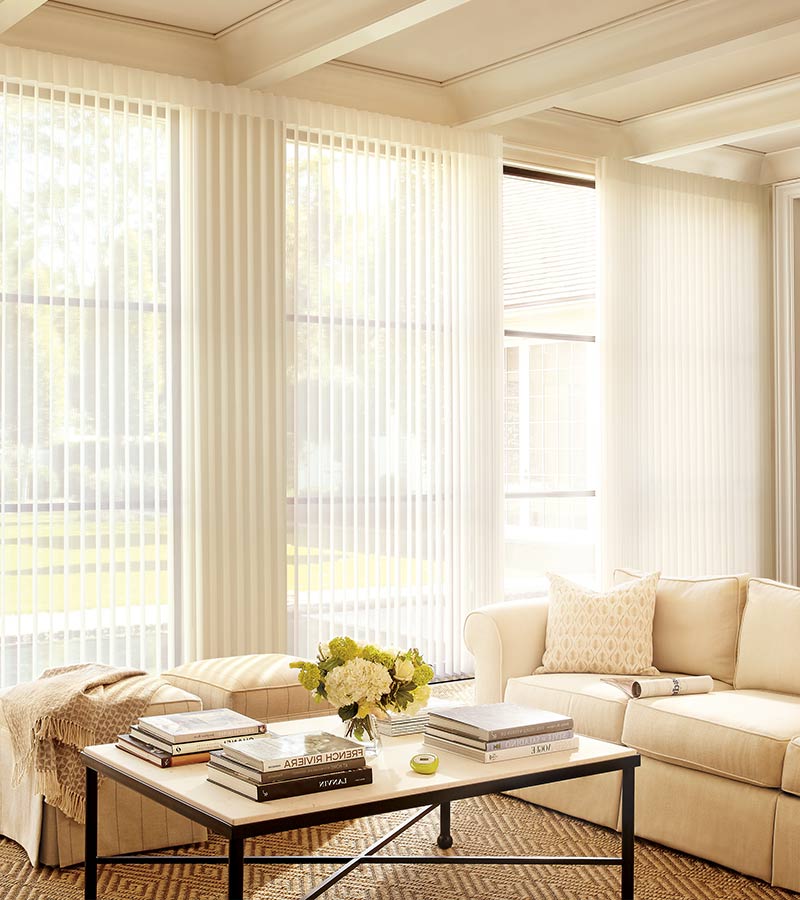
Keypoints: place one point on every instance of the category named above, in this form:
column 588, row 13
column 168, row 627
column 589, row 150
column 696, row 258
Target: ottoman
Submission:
column 261, row 686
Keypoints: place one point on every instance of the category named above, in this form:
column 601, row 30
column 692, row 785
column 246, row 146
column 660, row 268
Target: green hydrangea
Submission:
column 422, row 674
column 309, row 676
column 374, row 654
column 344, row 648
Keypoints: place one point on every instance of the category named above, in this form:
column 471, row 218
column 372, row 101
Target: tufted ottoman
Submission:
column 261, row 686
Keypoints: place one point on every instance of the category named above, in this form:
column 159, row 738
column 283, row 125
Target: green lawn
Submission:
column 58, row 571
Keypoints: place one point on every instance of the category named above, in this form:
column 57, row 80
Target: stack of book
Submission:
column 498, row 731
column 397, row 724
column 186, row 738
column 273, row 768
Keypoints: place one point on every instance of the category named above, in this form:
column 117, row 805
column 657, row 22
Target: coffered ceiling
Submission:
column 708, row 85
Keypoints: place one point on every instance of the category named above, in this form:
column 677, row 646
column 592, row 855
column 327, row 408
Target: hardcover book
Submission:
column 490, row 756
column 221, row 761
column 182, row 749
column 204, row 725
column 498, row 721
column 525, row 741
column 293, row 787
column 293, row 751
column 155, row 755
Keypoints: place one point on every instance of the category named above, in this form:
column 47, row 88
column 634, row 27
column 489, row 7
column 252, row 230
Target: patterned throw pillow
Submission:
column 607, row 633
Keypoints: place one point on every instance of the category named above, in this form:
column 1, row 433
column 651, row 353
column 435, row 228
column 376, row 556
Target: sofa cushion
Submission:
column 169, row 699
column 696, row 623
column 260, row 685
column 737, row 734
column 791, row 768
column 597, row 708
column 768, row 657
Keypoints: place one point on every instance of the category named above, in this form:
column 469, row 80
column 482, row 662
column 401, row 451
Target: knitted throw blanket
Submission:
column 53, row 718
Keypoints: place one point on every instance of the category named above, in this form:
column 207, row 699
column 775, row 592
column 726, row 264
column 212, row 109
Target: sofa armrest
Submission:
column 507, row 640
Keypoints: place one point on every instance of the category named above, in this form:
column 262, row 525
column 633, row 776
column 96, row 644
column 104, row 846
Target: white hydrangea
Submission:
column 357, row 681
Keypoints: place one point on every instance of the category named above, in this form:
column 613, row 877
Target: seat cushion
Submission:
column 768, row 639
column 260, row 685
column 598, row 709
column 696, row 623
column 791, row 768
column 737, row 734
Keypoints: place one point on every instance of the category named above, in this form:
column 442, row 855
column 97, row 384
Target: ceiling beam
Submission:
column 782, row 165
column 645, row 45
column 291, row 38
column 727, row 119
column 13, row 11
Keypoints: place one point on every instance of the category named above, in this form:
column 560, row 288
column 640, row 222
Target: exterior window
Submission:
column 551, row 438
column 88, row 347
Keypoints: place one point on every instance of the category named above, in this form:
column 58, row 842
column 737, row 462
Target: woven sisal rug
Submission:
column 495, row 825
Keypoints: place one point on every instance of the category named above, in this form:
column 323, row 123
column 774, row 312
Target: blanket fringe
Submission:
column 72, row 803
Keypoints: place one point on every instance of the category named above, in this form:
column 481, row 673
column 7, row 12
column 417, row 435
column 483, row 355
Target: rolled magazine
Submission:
column 663, row 687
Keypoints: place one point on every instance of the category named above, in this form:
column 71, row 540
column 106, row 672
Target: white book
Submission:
column 189, row 747
column 490, row 756
column 293, row 751
column 204, row 725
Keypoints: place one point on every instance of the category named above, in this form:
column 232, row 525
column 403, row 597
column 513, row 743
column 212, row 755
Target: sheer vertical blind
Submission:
column 394, row 343
column 87, row 322
column 233, row 427
column 687, row 348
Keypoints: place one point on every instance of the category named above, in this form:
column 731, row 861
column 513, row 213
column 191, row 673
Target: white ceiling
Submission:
column 210, row 16
column 708, row 85
column 484, row 32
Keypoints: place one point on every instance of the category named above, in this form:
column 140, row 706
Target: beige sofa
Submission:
column 259, row 685
column 720, row 774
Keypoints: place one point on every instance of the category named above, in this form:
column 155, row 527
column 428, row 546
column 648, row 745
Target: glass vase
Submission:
column 364, row 730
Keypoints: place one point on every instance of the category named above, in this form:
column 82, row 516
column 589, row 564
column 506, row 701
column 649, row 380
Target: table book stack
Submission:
column 276, row 767
column 396, row 724
column 187, row 738
column 493, row 732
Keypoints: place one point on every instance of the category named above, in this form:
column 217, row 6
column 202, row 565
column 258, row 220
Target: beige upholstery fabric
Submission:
column 696, row 623
column 786, row 847
column 768, row 638
column 597, row 708
column 507, row 640
column 596, row 798
column 128, row 822
column 715, row 818
column 738, row 734
column 260, row 685
column 791, row 769
column 610, row 632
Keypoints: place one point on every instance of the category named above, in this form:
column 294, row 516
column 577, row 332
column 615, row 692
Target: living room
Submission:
column 428, row 362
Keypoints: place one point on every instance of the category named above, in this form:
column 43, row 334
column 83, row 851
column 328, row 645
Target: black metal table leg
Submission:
column 90, row 840
column 236, row 868
column 445, row 839
column 628, row 775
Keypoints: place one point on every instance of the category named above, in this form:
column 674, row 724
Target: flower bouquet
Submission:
column 365, row 682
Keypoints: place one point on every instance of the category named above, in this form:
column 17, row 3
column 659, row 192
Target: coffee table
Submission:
column 395, row 786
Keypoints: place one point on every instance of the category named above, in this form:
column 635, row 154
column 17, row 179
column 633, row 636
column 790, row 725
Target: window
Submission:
column 87, row 397
column 387, row 329
column 551, row 443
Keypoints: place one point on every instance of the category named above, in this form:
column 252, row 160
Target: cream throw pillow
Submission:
column 607, row 633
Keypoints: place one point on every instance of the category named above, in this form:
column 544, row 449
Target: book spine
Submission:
column 296, row 787
column 488, row 756
column 221, row 762
column 500, row 734
column 213, row 735
column 182, row 749
column 160, row 761
column 296, row 763
column 526, row 741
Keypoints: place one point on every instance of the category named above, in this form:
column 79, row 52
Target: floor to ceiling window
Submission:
column 87, row 341
column 551, row 441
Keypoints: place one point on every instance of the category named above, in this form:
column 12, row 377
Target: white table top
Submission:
column 392, row 775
